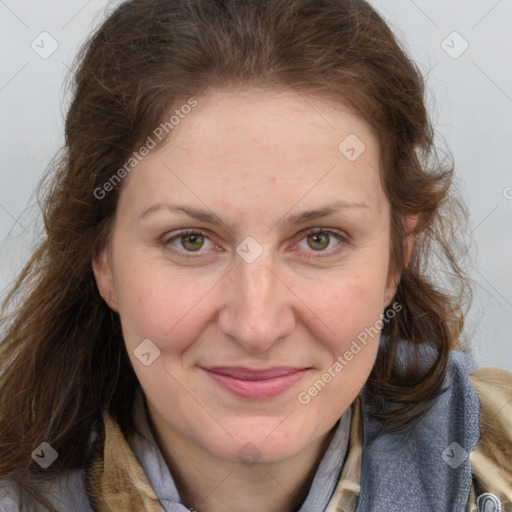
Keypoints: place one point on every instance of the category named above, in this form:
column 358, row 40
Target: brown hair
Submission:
column 62, row 362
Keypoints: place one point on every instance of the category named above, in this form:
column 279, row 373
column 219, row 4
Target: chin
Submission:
column 259, row 443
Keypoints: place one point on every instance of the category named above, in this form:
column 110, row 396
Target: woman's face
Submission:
column 249, row 253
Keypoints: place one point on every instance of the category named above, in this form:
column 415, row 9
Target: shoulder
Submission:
column 8, row 496
column 491, row 459
column 433, row 452
column 66, row 492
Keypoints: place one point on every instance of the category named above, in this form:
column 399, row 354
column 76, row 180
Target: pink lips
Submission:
column 252, row 383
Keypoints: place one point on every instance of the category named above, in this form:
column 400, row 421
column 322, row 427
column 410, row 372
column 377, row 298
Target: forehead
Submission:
column 238, row 146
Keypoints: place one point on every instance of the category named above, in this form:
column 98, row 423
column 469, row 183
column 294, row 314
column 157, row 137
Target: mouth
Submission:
column 255, row 383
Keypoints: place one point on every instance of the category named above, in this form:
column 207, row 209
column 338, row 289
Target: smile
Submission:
column 252, row 383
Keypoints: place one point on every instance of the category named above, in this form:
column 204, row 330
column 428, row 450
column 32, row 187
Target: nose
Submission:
column 258, row 308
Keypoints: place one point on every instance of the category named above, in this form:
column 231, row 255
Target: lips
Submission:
column 253, row 374
column 255, row 383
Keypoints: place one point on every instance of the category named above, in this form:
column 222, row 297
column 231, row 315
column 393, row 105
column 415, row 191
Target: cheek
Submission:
column 347, row 306
column 352, row 310
column 164, row 308
column 168, row 307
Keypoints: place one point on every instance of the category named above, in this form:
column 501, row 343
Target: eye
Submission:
column 318, row 241
column 321, row 240
column 188, row 241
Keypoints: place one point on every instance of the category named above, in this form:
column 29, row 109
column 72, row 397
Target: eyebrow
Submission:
column 195, row 213
column 292, row 220
column 301, row 218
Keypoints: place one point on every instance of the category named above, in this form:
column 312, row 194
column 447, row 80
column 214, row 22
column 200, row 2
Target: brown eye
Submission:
column 188, row 243
column 318, row 241
column 192, row 241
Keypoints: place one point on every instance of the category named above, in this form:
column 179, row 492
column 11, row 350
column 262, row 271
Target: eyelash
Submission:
column 342, row 242
column 313, row 231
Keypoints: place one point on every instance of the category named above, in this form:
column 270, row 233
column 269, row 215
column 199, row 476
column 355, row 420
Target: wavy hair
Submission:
column 62, row 360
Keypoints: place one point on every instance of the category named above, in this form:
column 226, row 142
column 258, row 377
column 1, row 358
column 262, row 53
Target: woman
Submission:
column 231, row 309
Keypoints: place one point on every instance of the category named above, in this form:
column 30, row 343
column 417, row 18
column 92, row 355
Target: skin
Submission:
column 254, row 158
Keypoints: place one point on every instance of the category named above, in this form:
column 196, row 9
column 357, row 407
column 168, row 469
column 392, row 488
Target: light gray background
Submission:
column 470, row 96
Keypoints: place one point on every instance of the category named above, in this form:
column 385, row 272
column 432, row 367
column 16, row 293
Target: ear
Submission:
column 104, row 279
column 411, row 221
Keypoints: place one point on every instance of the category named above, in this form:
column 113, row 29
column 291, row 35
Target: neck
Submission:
column 209, row 484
